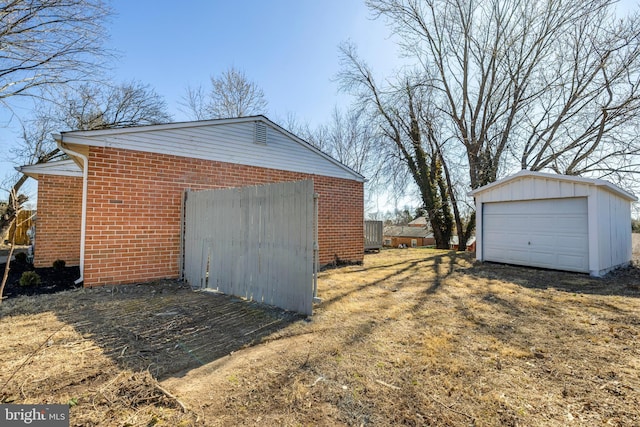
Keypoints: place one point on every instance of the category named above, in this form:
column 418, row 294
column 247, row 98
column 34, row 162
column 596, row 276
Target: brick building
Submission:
column 115, row 207
column 408, row 236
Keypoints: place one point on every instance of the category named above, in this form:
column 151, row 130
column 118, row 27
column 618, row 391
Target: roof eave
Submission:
column 91, row 137
column 58, row 168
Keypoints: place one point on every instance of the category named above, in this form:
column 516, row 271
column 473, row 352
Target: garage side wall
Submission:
column 134, row 211
column 58, row 220
column 614, row 232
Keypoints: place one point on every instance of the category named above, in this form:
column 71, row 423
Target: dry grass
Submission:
column 413, row 337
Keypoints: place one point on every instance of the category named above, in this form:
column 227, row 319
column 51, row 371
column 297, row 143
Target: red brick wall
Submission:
column 59, row 218
column 134, row 210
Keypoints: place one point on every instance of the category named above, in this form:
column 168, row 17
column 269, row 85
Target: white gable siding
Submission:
column 228, row 142
column 528, row 188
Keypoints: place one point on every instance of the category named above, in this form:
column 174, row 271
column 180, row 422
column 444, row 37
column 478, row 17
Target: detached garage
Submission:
column 554, row 221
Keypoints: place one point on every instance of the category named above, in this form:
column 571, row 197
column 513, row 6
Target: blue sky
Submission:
column 287, row 47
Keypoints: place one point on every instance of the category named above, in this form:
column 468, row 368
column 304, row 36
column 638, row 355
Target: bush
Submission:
column 29, row 278
column 21, row 257
column 59, row 264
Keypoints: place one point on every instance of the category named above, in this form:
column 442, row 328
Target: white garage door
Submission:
column 550, row 233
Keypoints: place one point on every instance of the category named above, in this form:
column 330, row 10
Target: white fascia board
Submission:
column 59, row 167
column 164, row 126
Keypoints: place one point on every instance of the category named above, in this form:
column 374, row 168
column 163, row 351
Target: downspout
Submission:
column 83, row 220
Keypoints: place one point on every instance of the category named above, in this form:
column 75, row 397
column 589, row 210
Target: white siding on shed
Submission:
column 573, row 209
column 614, row 235
column 531, row 189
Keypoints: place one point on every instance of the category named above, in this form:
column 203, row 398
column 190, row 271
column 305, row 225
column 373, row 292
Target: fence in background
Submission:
column 372, row 235
column 24, row 222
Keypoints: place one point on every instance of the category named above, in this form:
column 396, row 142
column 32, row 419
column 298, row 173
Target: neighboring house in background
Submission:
column 115, row 208
column 471, row 243
column 422, row 222
column 396, row 235
column 419, row 222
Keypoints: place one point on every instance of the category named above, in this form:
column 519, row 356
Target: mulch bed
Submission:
column 51, row 279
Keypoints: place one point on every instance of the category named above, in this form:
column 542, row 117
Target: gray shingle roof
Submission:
column 405, row 231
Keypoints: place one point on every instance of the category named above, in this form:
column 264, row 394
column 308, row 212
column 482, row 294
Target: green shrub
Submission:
column 29, row 278
column 59, row 264
column 21, row 257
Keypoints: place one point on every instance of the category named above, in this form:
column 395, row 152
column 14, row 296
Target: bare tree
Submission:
column 231, row 94
column 349, row 138
column 404, row 119
column 534, row 84
column 103, row 107
column 513, row 84
column 14, row 207
column 196, row 103
column 352, row 141
column 47, row 43
column 86, row 107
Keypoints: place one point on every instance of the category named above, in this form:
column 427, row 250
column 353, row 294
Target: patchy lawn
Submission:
column 415, row 337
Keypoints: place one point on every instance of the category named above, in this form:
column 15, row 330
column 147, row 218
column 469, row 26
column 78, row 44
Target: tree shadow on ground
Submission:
column 443, row 266
column 623, row 282
column 443, row 270
column 167, row 328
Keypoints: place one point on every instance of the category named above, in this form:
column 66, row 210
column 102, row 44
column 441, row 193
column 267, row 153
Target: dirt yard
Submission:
column 412, row 337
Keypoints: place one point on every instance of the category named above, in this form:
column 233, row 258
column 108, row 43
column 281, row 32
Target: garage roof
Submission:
column 524, row 174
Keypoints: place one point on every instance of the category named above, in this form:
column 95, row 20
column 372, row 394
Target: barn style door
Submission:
column 253, row 242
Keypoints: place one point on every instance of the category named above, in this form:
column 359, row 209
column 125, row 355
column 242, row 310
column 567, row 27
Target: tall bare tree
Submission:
column 542, row 84
column 88, row 107
column 47, row 43
column 112, row 106
column 231, row 94
column 404, row 120
column 349, row 138
column 539, row 85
